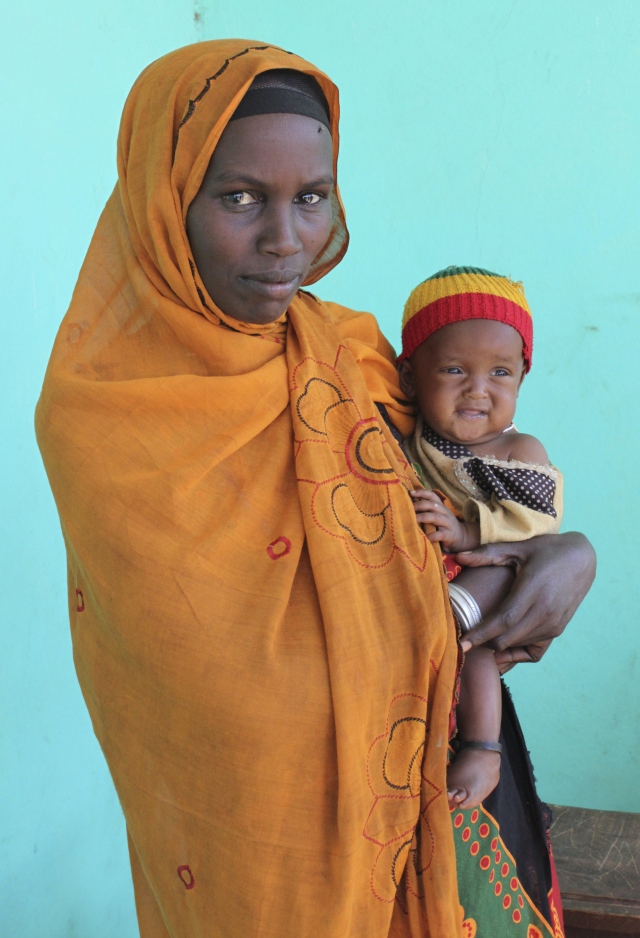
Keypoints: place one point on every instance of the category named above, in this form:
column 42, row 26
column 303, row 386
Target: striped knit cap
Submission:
column 460, row 293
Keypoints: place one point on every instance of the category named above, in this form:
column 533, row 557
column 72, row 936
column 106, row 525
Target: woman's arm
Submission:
column 522, row 615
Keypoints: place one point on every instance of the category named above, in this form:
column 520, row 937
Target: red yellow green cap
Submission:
column 459, row 293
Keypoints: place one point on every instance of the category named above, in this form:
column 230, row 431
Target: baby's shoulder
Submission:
column 526, row 448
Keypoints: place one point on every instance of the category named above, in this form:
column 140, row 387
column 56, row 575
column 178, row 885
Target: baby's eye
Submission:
column 240, row 198
column 310, row 198
column 500, row 373
column 453, row 370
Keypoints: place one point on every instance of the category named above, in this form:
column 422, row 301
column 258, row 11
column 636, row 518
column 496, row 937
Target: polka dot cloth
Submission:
column 446, row 447
column 532, row 489
column 525, row 486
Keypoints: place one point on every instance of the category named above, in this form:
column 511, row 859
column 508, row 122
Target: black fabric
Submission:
column 284, row 91
column 387, row 419
column 532, row 489
column 523, row 819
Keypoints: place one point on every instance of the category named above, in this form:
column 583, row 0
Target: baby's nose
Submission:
column 476, row 388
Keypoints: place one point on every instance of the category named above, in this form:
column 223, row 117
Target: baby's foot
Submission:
column 472, row 775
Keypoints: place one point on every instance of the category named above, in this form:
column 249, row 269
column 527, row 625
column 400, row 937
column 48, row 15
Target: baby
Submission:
column 466, row 347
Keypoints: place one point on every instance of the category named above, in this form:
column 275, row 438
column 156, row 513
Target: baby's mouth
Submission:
column 470, row 413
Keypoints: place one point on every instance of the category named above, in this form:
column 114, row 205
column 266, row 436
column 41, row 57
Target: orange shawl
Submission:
column 260, row 629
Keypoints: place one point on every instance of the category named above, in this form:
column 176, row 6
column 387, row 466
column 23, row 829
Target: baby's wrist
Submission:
column 468, row 537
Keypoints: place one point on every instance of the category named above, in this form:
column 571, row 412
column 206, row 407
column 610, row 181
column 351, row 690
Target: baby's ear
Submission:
column 407, row 383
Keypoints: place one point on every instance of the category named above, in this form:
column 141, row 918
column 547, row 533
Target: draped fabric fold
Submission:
column 260, row 629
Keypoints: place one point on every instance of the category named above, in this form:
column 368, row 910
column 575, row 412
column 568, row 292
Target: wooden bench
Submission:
column 597, row 856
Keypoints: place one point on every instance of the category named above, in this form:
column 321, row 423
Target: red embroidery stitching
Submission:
column 188, row 883
column 342, row 504
column 276, row 555
column 80, row 601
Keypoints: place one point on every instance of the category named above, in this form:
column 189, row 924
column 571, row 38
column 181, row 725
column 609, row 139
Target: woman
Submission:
column 260, row 630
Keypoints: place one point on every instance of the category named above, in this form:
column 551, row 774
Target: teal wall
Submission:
column 483, row 132
column 66, row 68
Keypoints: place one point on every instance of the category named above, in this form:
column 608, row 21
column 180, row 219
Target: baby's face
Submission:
column 465, row 379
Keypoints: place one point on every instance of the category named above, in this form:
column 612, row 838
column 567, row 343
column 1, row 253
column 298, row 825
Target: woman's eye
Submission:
column 310, row 198
column 240, row 198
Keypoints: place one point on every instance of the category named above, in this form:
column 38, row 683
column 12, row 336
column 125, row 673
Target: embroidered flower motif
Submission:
column 397, row 824
column 356, row 493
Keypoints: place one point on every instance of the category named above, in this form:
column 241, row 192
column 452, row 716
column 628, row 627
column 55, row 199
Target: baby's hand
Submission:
column 453, row 535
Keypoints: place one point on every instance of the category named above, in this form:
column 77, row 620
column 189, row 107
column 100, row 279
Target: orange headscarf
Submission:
column 260, row 629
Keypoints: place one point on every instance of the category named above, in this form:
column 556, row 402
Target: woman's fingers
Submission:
column 529, row 654
column 506, row 624
column 554, row 573
column 524, row 618
column 491, row 555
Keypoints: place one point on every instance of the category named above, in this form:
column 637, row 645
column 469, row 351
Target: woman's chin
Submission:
column 261, row 313
column 264, row 317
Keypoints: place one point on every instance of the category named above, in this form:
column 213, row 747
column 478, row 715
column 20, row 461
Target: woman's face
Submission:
column 262, row 214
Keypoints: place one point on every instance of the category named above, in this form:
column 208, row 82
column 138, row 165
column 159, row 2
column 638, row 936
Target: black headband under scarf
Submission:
column 284, row 91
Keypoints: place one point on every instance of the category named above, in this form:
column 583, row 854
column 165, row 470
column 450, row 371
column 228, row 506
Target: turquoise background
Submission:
column 502, row 134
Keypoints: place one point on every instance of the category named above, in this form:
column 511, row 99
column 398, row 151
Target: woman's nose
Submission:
column 279, row 234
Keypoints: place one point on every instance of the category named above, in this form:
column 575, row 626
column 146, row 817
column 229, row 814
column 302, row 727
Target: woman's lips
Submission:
column 277, row 285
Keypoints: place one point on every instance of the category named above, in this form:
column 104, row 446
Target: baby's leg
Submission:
column 474, row 773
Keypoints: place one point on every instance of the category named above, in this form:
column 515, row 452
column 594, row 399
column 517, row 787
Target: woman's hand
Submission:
column 554, row 573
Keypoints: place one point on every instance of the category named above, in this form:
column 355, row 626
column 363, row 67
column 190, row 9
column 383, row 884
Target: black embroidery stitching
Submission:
column 343, row 485
column 361, row 461
column 341, row 400
column 394, row 880
column 207, row 85
column 413, row 758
